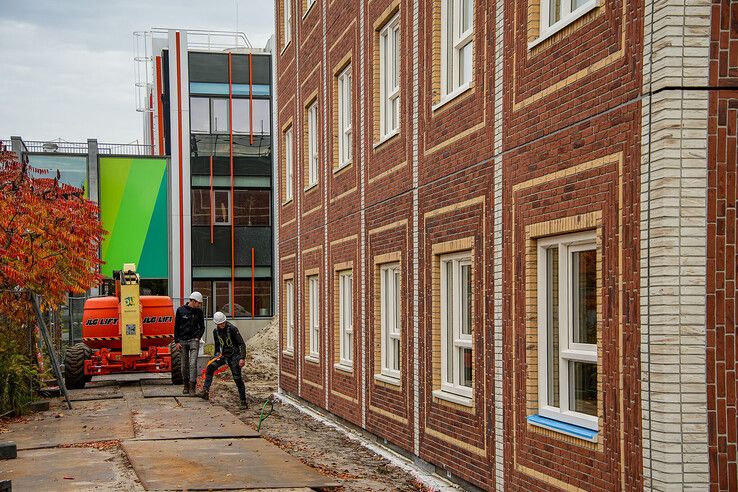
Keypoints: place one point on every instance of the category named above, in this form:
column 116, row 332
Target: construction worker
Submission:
column 229, row 349
column 189, row 326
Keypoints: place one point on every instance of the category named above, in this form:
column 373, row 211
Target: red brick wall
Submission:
column 722, row 343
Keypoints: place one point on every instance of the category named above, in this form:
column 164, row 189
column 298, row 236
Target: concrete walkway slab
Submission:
column 105, row 392
column 175, row 422
column 218, row 464
column 88, row 421
column 46, row 469
column 161, row 390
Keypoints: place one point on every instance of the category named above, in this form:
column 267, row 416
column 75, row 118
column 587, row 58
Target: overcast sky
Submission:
column 66, row 66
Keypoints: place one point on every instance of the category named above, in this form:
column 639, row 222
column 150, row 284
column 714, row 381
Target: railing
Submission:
column 62, row 147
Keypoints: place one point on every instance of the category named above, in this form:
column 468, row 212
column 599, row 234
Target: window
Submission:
column 312, row 137
column 219, row 115
column 456, row 324
column 287, row 6
column 221, row 207
column 251, row 207
column 314, row 333
column 346, row 318
column 289, row 294
column 201, row 210
column 200, row 115
column 309, row 4
column 344, row 117
column 390, row 319
column 389, row 77
column 457, row 32
column 567, row 328
column 556, row 14
column 222, row 297
column 288, row 164
column 258, row 124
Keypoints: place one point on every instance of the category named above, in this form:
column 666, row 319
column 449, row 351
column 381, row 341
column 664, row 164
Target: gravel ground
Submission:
column 321, row 447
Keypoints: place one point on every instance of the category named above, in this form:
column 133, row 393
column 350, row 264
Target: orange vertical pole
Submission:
column 253, row 296
column 233, row 231
column 212, row 201
column 251, row 102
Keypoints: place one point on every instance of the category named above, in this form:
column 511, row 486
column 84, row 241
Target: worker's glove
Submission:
column 241, row 363
column 179, row 346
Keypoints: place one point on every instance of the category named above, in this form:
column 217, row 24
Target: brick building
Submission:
column 506, row 234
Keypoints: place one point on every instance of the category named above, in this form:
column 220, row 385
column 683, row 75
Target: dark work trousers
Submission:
column 232, row 362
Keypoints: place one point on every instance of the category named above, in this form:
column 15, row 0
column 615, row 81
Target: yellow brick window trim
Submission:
column 379, row 378
column 578, row 223
column 338, row 269
column 463, row 245
column 337, row 71
column 379, row 23
column 287, row 277
column 312, row 272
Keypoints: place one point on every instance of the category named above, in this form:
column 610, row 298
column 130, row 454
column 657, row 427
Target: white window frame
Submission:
column 460, row 341
column 228, row 207
column 453, row 41
column 313, row 316
column 289, row 295
column 344, row 117
column 288, row 166
column 346, row 318
column 568, row 351
column 214, row 291
column 568, row 16
column 312, row 153
column 390, row 319
column 287, row 19
column 389, row 64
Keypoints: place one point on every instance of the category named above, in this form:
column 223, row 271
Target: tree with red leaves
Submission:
column 49, row 239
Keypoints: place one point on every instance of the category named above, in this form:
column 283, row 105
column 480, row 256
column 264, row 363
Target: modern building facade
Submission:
column 207, row 104
column 506, row 234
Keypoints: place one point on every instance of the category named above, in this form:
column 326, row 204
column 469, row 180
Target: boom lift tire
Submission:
column 176, row 364
column 74, row 366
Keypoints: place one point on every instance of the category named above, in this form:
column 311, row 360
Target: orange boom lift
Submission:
column 128, row 333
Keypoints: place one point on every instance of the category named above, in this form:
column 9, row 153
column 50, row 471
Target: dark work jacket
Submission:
column 228, row 341
column 189, row 323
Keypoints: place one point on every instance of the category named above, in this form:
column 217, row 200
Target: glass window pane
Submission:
column 449, row 320
column 241, row 116
column 221, row 298
column 554, row 11
column 467, row 14
column 396, row 354
column 465, row 62
column 575, row 4
column 466, row 299
column 219, row 116
column 200, row 206
column 262, row 117
column 398, row 302
column 221, row 210
column 552, row 332
column 584, row 293
column 251, row 207
column 465, row 367
column 200, row 115
column 583, row 387
column 204, row 287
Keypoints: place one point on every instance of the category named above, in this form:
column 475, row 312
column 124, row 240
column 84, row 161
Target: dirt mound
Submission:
column 261, row 368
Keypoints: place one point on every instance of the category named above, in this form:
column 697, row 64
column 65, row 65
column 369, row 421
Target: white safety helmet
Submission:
column 196, row 296
column 219, row 318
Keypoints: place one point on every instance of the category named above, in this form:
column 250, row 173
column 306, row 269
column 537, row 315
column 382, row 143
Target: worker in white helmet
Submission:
column 189, row 326
column 229, row 349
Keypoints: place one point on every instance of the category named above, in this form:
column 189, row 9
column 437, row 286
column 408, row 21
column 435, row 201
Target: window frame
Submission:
column 287, row 22
column 312, row 144
column 389, row 35
column 390, row 325
column 345, row 318
column 568, row 351
column 546, row 29
column 214, row 292
column 454, row 41
column 228, row 207
column 289, row 294
column 288, row 165
column 345, row 117
column 313, row 316
column 461, row 341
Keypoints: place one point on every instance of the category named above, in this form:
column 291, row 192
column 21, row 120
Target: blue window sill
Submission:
column 563, row 427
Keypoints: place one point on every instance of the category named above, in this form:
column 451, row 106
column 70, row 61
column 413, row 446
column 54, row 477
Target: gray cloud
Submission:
column 67, row 66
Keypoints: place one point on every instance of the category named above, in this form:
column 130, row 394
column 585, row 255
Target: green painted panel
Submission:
column 133, row 198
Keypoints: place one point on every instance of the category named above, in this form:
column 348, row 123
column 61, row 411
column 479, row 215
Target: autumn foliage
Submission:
column 49, row 239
